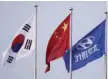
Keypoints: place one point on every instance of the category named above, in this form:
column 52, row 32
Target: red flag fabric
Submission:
column 58, row 43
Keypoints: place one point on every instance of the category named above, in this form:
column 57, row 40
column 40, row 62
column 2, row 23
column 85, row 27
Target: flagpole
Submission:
column 106, row 46
column 35, row 59
column 71, row 9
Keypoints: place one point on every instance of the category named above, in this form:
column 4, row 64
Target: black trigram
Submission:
column 26, row 27
column 10, row 59
column 28, row 44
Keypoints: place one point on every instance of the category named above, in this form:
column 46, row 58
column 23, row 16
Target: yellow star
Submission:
column 64, row 27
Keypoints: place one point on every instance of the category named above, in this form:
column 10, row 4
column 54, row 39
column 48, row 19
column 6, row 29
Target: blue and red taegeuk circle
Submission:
column 17, row 43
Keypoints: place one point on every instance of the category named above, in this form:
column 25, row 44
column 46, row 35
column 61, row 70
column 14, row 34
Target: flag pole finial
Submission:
column 71, row 9
column 106, row 12
column 36, row 6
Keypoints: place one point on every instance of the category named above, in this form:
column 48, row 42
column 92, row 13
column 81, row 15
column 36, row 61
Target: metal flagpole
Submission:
column 71, row 43
column 36, row 6
column 106, row 46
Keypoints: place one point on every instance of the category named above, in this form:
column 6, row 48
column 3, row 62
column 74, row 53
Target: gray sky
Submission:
column 86, row 16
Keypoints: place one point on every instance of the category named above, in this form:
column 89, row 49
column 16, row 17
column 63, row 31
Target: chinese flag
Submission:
column 58, row 43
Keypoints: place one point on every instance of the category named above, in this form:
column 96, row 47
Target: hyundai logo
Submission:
column 85, row 43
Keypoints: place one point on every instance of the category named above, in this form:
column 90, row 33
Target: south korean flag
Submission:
column 22, row 45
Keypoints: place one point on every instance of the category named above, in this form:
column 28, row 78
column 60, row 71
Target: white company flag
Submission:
column 22, row 45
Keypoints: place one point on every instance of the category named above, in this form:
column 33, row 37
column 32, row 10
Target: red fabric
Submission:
column 58, row 43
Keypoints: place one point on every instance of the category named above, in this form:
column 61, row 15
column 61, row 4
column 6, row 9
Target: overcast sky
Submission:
column 86, row 16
